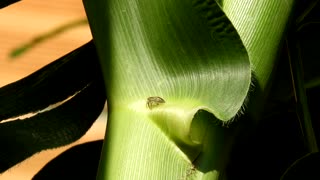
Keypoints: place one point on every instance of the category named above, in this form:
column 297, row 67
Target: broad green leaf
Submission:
column 188, row 54
column 261, row 25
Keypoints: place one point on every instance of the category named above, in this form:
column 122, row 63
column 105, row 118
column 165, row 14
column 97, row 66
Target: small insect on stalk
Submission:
column 154, row 101
column 189, row 173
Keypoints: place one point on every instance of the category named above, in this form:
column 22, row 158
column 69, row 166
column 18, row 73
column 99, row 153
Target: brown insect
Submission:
column 191, row 171
column 154, row 101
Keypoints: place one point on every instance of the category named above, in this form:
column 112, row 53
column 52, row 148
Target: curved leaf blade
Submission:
column 60, row 79
column 262, row 26
column 74, row 81
column 62, row 125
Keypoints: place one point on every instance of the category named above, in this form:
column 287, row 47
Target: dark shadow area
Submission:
column 305, row 168
column 79, row 162
column 278, row 140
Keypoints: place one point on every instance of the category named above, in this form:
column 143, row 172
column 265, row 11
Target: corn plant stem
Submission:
column 300, row 94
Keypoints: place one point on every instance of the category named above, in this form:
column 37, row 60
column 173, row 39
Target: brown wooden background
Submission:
column 19, row 24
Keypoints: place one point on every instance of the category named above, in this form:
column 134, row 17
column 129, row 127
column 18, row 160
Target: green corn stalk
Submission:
column 176, row 74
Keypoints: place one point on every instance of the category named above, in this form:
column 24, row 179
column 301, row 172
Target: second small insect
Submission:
column 154, row 101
